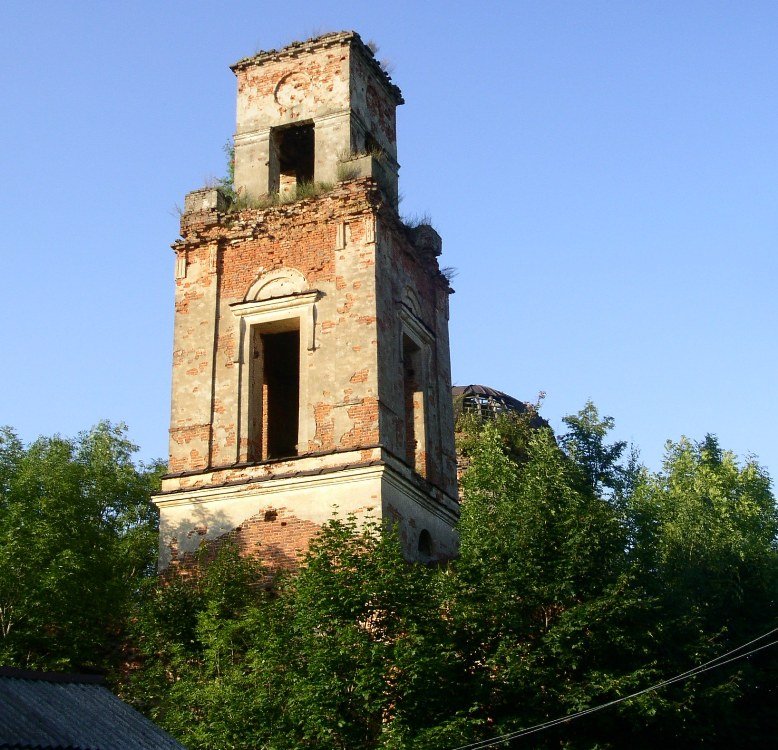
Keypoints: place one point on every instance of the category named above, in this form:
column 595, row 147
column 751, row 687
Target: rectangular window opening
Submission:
column 413, row 392
column 295, row 150
column 281, row 393
column 372, row 147
column 274, row 400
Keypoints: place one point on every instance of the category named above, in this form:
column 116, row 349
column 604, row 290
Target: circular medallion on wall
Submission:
column 292, row 89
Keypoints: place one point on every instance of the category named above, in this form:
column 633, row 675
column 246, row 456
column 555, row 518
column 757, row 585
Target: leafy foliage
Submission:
column 77, row 534
column 704, row 549
column 583, row 578
column 584, row 443
column 348, row 653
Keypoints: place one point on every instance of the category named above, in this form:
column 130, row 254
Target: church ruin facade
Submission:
column 311, row 369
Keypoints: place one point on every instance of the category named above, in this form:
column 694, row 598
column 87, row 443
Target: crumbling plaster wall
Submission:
column 334, row 83
column 195, row 305
column 274, row 519
column 354, row 251
column 413, row 510
column 331, row 241
column 410, row 285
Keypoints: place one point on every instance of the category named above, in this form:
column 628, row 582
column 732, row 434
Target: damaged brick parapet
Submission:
column 426, row 241
column 315, row 44
column 209, row 207
column 205, row 199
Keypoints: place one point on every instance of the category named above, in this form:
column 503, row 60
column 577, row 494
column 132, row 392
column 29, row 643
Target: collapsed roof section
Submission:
column 487, row 403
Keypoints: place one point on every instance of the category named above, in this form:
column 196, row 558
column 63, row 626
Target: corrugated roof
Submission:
column 71, row 712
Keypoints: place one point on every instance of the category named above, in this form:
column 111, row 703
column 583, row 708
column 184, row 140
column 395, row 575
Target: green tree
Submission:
column 582, row 580
column 351, row 652
column 211, row 649
column 704, row 551
column 77, row 534
column 599, row 461
column 541, row 570
column 375, row 663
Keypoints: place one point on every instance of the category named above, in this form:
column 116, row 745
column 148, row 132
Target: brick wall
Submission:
column 342, row 375
column 274, row 536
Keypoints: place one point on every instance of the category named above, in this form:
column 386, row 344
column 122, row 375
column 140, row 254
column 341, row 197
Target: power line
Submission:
column 565, row 719
column 719, row 661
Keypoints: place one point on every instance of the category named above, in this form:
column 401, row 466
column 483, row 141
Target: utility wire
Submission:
column 719, row 661
column 570, row 717
column 564, row 719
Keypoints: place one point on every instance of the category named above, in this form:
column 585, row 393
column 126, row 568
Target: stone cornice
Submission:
column 278, row 483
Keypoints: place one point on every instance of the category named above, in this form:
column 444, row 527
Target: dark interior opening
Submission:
column 295, row 154
column 410, row 387
column 281, row 381
column 425, row 545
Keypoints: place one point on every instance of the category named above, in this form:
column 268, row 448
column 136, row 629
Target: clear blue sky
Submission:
column 604, row 176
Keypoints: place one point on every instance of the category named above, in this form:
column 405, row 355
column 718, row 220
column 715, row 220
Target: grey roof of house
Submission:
column 71, row 712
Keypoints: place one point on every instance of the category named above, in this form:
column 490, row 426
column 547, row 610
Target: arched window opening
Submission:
column 425, row 546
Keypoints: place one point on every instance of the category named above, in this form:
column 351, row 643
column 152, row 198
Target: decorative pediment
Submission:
column 280, row 283
column 411, row 301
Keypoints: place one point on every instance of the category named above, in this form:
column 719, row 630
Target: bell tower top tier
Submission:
column 307, row 112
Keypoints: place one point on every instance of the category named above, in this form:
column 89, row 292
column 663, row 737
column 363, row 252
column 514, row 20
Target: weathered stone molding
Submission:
column 283, row 282
column 300, row 307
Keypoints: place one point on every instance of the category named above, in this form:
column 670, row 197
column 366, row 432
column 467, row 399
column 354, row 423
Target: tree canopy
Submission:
column 77, row 534
column 582, row 578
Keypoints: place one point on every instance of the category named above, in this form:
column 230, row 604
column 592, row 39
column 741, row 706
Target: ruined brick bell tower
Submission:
column 311, row 370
